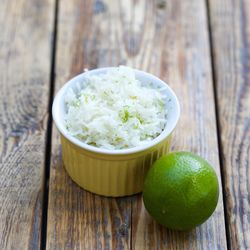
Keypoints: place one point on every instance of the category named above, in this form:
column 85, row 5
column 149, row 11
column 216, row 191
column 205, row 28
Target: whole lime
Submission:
column 181, row 190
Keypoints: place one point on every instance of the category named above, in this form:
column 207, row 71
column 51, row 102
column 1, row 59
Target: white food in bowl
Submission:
column 115, row 111
column 77, row 83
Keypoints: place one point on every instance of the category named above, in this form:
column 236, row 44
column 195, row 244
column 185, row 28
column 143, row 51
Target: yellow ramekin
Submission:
column 112, row 172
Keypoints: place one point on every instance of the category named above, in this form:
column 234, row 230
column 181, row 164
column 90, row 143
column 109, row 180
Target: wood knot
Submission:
column 99, row 7
column 123, row 230
column 161, row 4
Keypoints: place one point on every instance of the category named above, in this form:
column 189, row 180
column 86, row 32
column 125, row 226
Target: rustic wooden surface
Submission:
column 24, row 79
column 201, row 48
column 180, row 35
column 76, row 218
column 230, row 30
column 153, row 39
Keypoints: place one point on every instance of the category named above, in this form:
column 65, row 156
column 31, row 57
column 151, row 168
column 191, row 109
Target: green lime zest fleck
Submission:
column 133, row 97
column 161, row 104
column 105, row 93
column 124, row 115
column 76, row 103
column 118, row 139
column 138, row 117
column 135, row 126
column 86, row 98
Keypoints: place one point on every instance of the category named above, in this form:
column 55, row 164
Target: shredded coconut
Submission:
column 115, row 111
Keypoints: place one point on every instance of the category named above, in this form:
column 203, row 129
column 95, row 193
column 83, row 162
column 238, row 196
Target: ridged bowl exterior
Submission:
column 110, row 175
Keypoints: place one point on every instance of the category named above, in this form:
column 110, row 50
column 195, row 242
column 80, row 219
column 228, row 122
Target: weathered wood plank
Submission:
column 25, row 44
column 179, row 39
column 230, row 27
column 170, row 40
column 78, row 219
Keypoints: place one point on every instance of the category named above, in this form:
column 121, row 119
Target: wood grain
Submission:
column 78, row 219
column 24, row 80
column 180, row 41
column 169, row 39
column 230, row 28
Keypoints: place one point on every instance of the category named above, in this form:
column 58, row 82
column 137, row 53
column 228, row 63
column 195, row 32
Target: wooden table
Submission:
column 201, row 48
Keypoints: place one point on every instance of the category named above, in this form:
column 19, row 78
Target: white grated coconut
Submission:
column 115, row 111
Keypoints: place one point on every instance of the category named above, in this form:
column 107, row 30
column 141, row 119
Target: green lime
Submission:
column 181, row 190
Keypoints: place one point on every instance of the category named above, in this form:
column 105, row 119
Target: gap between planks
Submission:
column 209, row 28
column 49, row 131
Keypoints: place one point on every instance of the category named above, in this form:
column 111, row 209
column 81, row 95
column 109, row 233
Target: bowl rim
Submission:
column 165, row 133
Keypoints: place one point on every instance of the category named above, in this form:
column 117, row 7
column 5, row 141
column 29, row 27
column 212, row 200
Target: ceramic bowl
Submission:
column 113, row 172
